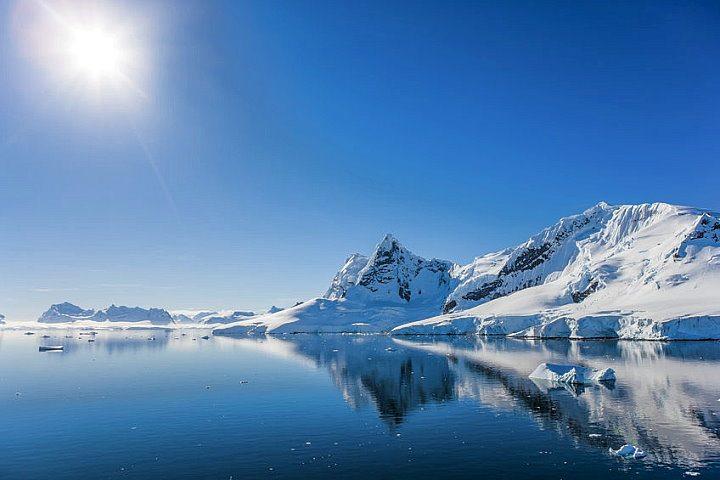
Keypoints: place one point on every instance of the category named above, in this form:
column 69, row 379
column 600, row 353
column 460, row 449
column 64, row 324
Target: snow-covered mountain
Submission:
column 368, row 294
column 393, row 275
column 630, row 271
column 214, row 317
column 530, row 264
column 2, row 319
column 69, row 313
column 347, row 276
column 190, row 316
column 649, row 271
column 225, row 317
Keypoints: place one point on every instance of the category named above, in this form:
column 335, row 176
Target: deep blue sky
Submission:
column 285, row 135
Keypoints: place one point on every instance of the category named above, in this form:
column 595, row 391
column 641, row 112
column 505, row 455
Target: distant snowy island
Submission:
column 68, row 315
column 646, row 272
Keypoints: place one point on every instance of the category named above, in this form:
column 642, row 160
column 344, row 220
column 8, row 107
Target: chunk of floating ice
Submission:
column 573, row 374
column 628, row 451
column 50, row 348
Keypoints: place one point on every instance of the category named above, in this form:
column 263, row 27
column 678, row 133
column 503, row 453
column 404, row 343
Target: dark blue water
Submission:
column 309, row 406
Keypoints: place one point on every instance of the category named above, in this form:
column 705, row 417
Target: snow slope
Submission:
column 368, row 294
column 649, row 271
column 69, row 313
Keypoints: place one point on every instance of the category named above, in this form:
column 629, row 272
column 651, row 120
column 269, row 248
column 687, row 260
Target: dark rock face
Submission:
column 529, row 259
column 485, row 290
column 706, row 231
column 582, row 295
column 383, row 267
column 532, row 256
column 449, row 306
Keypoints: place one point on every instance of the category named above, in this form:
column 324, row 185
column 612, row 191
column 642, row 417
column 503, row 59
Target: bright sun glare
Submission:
column 92, row 49
column 95, row 53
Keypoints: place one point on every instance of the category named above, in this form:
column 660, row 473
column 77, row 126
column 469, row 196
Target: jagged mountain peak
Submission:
column 392, row 274
column 388, row 242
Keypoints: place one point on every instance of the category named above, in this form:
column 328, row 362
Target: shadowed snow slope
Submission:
column 648, row 271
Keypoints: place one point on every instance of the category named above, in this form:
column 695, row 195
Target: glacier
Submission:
column 648, row 272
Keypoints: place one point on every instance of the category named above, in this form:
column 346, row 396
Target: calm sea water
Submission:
column 326, row 406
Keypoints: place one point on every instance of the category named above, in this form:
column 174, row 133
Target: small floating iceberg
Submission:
column 628, row 451
column 572, row 374
column 51, row 348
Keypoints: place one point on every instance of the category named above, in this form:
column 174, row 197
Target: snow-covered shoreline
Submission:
column 640, row 272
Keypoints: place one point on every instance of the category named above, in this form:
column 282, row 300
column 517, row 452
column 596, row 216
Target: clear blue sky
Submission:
column 278, row 137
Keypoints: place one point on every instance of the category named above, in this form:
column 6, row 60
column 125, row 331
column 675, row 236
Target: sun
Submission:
column 97, row 50
column 95, row 53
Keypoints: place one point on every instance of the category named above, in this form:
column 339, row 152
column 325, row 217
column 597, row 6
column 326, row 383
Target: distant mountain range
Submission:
column 649, row 271
column 68, row 313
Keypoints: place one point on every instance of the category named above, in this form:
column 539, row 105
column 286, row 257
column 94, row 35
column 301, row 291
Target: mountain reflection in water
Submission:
column 665, row 398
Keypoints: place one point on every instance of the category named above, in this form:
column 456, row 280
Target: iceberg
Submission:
column 628, row 451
